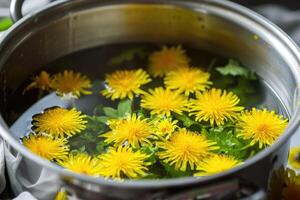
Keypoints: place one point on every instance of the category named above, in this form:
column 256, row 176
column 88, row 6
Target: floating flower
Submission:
column 185, row 148
column 261, row 126
column 122, row 162
column 59, row 122
column 163, row 101
column 215, row 106
column 82, row 163
column 46, row 146
column 125, row 83
column 187, row 80
column 216, row 164
column 132, row 131
column 294, row 157
column 166, row 60
column 164, row 127
column 61, row 195
column 41, row 82
column 71, row 83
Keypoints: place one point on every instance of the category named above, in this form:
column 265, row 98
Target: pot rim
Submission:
column 155, row 184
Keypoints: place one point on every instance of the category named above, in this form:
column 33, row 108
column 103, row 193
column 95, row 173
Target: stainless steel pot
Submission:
column 227, row 29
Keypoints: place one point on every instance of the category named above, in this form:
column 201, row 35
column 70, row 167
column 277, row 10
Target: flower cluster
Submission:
column 172, row 120
column 50, row 132
column 68, row 83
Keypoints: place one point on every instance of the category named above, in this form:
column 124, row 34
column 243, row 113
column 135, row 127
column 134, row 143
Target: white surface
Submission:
column 25, row 196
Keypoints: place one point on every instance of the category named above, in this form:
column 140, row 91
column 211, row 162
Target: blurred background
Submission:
column 292, row 4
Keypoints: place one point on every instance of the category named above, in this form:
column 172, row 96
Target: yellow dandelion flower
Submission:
column 166, row 60
column 294, row 157
column 261, row 126
column 216, row 164
column 187, row 80
column 82, row 163
column 292, row 190
column 61, row 195
column 46, row 146
column 185, row 148
column 215, row 106
column 132, row 131
column 41, row 82
column 278, row 180
column 163, row 101
column 284, row 184
column 164, row 127
column 125, row 83
column 122, row 162
column 71, row 83
column 59, row 122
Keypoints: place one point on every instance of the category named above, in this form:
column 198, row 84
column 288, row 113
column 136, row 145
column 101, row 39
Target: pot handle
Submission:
column 16, row 9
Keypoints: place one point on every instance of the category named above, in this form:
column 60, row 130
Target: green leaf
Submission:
column 102, row 119
column 224, row 82
column 248, row 91
column 187, row 122
column 5, row 23
column 143, row 113
column 89, row 137
column 233, row 68
column 110, row 112
column 151, row 151
column 98, row 110
column 82, row 149
column 227, row 141
column 127, row 55
column 124, row 108
column 101, row 147
column 172, row 172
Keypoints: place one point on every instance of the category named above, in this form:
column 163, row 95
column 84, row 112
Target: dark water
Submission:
column 95, row 63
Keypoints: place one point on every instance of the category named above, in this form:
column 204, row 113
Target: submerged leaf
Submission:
column 151, row 151
column 125, row 108
column 88, row 140
column 227, row 141
column 187, row 121
column 101, row 119
column 173, row 173
column 98, row 110
column 234, row 68
column 111, row 112
column 128, row 55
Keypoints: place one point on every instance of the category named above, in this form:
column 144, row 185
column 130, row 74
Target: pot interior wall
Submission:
column 80, row 25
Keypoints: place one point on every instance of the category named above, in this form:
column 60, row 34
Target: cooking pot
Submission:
column 218, row 26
